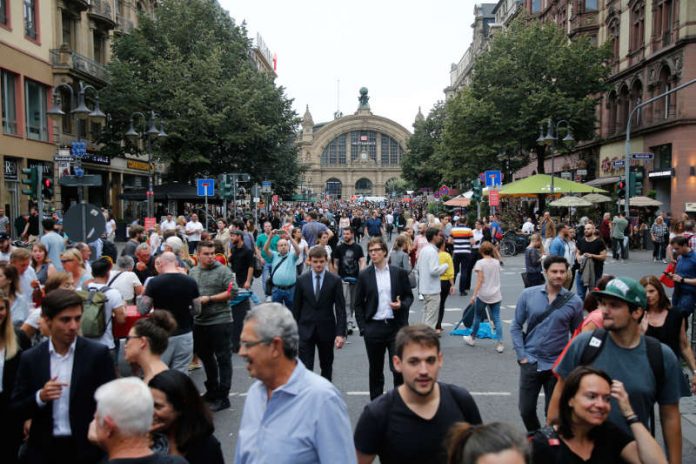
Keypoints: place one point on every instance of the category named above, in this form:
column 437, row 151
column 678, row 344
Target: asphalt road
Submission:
column 492, row 378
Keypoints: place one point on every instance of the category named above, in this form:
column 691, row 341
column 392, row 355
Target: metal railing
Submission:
column 79, row 63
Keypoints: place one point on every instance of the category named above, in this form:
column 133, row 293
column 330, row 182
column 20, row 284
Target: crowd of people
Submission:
column 97, row 347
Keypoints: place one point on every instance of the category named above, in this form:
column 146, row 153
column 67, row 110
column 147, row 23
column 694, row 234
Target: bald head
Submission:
column 168, row 260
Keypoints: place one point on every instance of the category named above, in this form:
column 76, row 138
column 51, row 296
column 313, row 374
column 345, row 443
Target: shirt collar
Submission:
column 314, row 274
column 293, row 386
column 52, row 349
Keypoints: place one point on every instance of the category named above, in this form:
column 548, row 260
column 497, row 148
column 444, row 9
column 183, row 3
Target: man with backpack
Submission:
column 551, row 313
column 410, row 422
column 649, row 370
column 102, row 306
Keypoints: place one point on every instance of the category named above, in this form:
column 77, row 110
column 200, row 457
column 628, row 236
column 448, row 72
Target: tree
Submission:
column 191, row 64
column 418, row 164
column 530, row 72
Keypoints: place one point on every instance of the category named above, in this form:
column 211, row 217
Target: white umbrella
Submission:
column 641, row 202
column 571, row 201
column 597, row 198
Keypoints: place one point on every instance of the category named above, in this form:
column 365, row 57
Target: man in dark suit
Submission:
column 55, row 385
column 382, row 302
column 320, row 312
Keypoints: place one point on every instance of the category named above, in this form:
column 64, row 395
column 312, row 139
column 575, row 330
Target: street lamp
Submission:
column 150, row 134
column 551, row 138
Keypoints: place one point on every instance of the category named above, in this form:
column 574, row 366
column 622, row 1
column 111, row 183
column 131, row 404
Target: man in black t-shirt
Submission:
column 410, row 423
column 589, row 247
column 242, row 264
column 178, row 294
column 349, row 260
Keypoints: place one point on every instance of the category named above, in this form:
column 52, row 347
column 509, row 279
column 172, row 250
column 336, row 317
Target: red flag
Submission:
column 275, row 62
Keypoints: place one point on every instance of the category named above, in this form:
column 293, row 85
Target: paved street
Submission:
column 491, row 377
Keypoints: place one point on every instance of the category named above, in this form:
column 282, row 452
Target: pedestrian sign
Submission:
column 205, row 187
column 493, row 178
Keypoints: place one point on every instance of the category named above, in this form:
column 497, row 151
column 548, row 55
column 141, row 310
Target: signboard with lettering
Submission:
column 493, row 198
column 137, row 165
column 642, row 156
column 45, row 166
column 10, row 166
column 150, row 223
column 96, row 158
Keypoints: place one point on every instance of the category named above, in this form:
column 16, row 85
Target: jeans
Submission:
column 179, row 352
column 531, row 383
column 349, row 290
column 431, row 307
column 239, row 312
column 618, row 246
column 284, row 296
column 462, row 266
column 659, row 250
column 212, row 344
column 444, row 293
column 479, row 307
column 265, row 274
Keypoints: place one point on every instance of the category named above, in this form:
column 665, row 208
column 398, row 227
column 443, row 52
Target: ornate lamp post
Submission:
column 551, row 138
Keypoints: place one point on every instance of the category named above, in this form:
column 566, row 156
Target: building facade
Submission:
column 351, row 155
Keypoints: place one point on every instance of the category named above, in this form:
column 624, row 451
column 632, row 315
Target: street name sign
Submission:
column 642, row 156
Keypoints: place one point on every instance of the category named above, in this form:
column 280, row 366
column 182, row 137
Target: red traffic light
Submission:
column 47, row 183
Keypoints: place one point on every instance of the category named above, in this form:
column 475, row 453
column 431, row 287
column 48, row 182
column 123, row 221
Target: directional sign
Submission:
column 444, row 190
column 493, row 198
column 618, row 163
column 84, row 223
column 493, row 178
column 266, row 184
column 205, row 187
column 642, row 156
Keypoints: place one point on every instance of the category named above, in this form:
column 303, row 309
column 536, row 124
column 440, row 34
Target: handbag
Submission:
column 269, row 281
column 258, row 267
column 665, row 278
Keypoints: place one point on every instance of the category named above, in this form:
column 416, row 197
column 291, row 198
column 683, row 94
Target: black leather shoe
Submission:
column 219, row 405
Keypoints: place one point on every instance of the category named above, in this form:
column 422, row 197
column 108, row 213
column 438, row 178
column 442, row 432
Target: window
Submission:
column 663, row 22
column 335, row 152
column 99, row 47
column 8, row 85
column 637, row 32
column 363, row 141
column 31, row 29
column 35, row 108
column 391, row 151
column 333, row 187
column 590, row 5
column 536, row 6
column 4, row 16
column 68, row 30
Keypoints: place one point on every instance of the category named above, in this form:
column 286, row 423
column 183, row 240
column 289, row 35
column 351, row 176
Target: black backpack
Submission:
column 652, row 345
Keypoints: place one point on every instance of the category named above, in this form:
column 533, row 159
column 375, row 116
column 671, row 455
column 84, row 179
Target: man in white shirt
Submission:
column 389, row 219
column 168, row 224
column 114, row 308
column 125, row 280
column 5, row 248
column 528, row 227
column 56, row 392
column 429, row 272
column 193, row 232
column 20, row 258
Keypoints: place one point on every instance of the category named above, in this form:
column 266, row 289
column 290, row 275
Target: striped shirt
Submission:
column 461, row 237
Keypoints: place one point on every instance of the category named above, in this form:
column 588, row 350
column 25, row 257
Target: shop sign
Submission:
column 137, row 165
column 581, row 172
column 666, row 173
column 95, row 158
column 46, row 167
column 10, row 169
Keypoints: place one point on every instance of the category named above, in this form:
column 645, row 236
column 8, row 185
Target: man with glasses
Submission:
column 429, row 272
column 290, row 415
column 382, row 300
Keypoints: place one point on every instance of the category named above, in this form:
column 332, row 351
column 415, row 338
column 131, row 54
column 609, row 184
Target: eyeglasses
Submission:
column 374, row 250
column 251, row 344
column 66, row 260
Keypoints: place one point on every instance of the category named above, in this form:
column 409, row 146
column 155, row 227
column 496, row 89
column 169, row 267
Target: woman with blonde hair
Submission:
column 10, row 427
column 41, row 263
column 19, row 304
column 72, row 262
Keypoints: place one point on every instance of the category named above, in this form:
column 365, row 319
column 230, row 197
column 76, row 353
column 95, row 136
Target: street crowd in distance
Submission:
column 97, row 347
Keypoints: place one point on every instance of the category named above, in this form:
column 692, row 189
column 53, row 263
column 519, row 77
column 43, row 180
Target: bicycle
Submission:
column 513, row 243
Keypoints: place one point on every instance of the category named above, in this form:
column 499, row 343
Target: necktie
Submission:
column 317, row 285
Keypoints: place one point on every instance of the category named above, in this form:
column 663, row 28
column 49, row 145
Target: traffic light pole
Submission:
column 39, row 197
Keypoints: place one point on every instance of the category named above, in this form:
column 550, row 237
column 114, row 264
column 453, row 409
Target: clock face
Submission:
column 363, row 155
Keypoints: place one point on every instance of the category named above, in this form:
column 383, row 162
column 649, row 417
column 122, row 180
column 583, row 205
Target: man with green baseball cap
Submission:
column 648, row 369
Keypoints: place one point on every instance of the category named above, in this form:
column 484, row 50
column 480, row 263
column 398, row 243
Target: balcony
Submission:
column 66, row 61
column 585, row 22
column 123, row 25
column 76, row 5
column 101, row 13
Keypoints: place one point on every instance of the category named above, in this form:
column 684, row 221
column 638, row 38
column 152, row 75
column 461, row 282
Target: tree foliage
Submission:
column 419, row 163
column 192, row 65
column 530, row 72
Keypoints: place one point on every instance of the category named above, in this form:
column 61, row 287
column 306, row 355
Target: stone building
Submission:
column 351, row 155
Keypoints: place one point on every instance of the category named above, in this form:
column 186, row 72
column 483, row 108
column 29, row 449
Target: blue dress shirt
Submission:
column 304, row 422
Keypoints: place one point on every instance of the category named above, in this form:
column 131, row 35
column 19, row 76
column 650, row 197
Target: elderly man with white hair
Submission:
column 291, row 415
column 125, row 280
column 122, row 423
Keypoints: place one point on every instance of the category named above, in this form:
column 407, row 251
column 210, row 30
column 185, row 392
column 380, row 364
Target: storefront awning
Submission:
column 603, row 181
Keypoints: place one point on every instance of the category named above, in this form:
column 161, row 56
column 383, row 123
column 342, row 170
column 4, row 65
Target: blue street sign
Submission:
column 266, row 184
column 78, row 149
column 642, row 156
column 493, row 178
column 618, row 163
column 205, row 187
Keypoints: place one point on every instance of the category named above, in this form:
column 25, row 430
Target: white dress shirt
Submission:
column 384, row 311
column 61, row 370
column 2, row 366
column 167, row 225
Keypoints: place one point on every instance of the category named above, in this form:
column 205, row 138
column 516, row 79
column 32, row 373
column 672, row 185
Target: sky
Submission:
column 327, row 50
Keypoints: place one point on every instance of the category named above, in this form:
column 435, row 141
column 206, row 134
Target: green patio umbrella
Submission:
column 541, row 184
